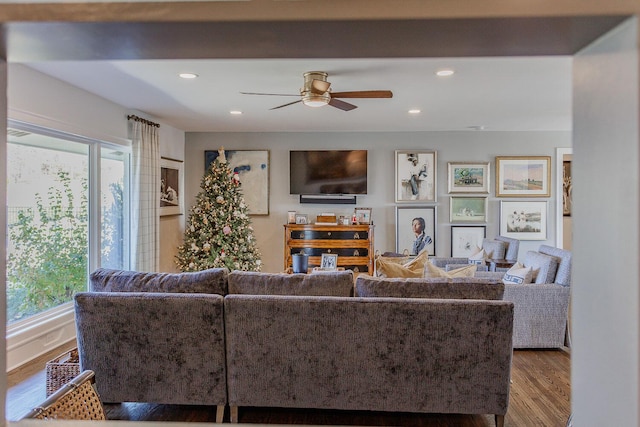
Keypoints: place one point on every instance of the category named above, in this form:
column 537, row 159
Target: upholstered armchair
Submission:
column 511, row 249
column 541, row 308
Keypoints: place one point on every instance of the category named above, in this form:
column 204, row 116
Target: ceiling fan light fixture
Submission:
column 316, row 100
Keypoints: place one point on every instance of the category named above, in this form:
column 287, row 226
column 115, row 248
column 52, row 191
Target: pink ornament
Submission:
column 226, row 229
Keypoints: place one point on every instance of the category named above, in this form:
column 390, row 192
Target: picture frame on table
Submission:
column 406, row 239
column 302, row 219
column 363, row 215
column 329, row 262
column 524, row 220
column 464, row 209
column 523, row 176
column 253, row 169
column 416, row 172
column 465, row 239
column 468, row 177
column 171, row 187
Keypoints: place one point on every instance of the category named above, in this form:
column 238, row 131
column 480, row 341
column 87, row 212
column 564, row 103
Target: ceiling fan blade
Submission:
column 363, row 94
column 344, row 106
column 319, row 86
column 269, row 94
column 284, row 105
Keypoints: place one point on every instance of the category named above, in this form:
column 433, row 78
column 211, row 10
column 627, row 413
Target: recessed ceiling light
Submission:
column 188, row 75
column 477, row 127
column 445, row 73
column 414, row 111
column 235, row 112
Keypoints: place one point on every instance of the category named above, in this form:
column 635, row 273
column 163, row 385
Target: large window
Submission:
column 59, row 189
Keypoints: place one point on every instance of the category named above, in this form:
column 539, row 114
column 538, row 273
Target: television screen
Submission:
column 317, row 172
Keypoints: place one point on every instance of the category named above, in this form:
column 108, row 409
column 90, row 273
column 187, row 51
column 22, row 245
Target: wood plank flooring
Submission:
column 540, row 396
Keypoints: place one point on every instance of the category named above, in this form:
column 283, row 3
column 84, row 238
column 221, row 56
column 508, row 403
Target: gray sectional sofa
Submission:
column 245, row 347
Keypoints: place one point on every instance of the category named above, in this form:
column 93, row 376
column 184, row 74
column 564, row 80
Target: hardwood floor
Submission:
column 540, row 396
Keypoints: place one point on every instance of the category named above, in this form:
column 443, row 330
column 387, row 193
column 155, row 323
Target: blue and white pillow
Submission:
column 517, row 275
column 478, row 257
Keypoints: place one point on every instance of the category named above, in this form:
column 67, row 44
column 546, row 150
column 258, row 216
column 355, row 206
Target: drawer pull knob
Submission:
column 356, row 253
column 356, row 236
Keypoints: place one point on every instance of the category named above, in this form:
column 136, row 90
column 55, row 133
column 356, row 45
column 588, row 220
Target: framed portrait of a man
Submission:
column 416, row 229
column 415, row 176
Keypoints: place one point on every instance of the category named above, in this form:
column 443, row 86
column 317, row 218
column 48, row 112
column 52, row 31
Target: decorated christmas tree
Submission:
column 219, row 232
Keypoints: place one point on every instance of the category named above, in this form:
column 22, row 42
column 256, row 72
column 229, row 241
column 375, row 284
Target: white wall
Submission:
column 605, row 314
column 481, row 146
column 41, row 100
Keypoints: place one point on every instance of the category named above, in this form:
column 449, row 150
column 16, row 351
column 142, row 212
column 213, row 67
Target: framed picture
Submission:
column 465, row 239
column 301, row 219
column 567, row 188
column 468, row 209
column 171, row 187
column 416, row 229
column 329, row 261
column 468, row 177
column 523, row 220
column 363, row 215
column 523, row 176
column 252, row 167
column 415, row 176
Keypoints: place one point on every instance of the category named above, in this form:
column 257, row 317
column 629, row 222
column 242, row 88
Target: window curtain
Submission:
column 145, row 202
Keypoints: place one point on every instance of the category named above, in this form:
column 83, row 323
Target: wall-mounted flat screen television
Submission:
column 328, row 172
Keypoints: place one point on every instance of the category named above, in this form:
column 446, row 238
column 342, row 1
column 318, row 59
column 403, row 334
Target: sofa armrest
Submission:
column 540, row 314
column 153, row 347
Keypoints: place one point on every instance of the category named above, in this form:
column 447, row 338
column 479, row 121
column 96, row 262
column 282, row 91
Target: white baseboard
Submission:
column 34, row 337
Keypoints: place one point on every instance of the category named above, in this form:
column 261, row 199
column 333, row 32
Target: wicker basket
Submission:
column 61, row 370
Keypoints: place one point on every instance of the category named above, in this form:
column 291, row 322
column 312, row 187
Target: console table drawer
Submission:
column 357, row 252
column 329, row 235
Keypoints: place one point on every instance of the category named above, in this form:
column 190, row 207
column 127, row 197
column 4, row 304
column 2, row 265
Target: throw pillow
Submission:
column 412, row 268
column 517, row 275
column 433, row 272
column 478, row 257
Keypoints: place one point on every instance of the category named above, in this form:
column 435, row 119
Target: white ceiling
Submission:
column 498, row 93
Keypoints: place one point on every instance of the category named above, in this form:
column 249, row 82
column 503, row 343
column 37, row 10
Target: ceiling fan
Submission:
column 316, row 93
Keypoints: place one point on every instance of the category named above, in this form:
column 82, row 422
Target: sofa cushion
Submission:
column 494, row 249
column 431, row 271
column 543, row 267
column 563, row 274
column 518, row 274
column 456, row 288
column 329, row 283
column 413, row 268
column 211, row 281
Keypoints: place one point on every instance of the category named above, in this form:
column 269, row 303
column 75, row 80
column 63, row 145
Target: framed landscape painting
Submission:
column 415, row 176
column 252, row 167
column 468, row 209
column 468, row 177
column 466, row 239
column 523, row 220
column 523, row 176
column 416, row 229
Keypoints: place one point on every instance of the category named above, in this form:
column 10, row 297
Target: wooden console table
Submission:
column 352, row 243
